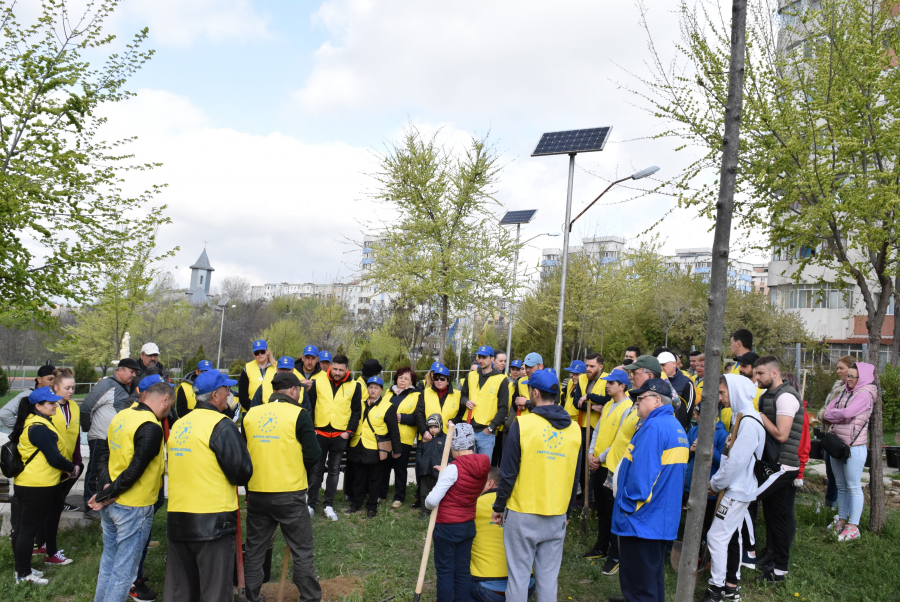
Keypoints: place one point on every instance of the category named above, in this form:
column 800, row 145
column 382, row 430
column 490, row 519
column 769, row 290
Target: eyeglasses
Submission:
column 259, row 352
column 440, row 379
column 849, row 376
column 646, row 396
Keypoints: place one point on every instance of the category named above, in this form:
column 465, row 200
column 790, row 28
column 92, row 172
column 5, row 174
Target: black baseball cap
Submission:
column 285, row 380
column 748, row 359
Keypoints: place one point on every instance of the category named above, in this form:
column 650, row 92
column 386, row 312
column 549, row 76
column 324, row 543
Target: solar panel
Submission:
column 572, row 141
column 518, row 217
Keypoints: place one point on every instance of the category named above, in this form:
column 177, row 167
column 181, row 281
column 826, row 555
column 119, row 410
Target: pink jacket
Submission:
column 849, row 412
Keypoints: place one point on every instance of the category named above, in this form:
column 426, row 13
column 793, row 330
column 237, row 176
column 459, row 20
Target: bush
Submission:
column 4, row 382
column 236, row 367
column 84, row 373
column 190, row 364
column 890, row 396
column 819, row 381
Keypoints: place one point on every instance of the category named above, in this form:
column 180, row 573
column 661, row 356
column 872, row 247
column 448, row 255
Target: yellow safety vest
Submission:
column 277, row 456
column 38, row 472
column 488, row 553
column 366, row 432
column 448, row 411
column 120, row 436
column 485, row 399
column 408, row 433
column 570, row 399
column 622, row 440
column 699, row 390
column 333, row 407
column 197, row 484
column 256, row 378
column 609, row 427
column 267, row 386
column 517, row 389
column 547, row 467
column 190, row 396
column 72, row 432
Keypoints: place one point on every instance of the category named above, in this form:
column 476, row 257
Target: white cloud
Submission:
column 183, row 22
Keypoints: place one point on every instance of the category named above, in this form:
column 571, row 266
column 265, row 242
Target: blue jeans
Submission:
column 160, row 500
column 452, row 557
column 125, row 529
column 480, row 593
column 484, row 444
column 848, row 478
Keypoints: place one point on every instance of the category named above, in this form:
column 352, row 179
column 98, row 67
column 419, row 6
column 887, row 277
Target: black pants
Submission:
column 90, row 477
column 580, row 475
column 367, row 481
column 332, row 451
column 200, row 571
column 265, row 512
column 397, row 466
column 61, row 491
column 31, row 512
column 603, row 496
column 781, row 525
column 641, row 569
column 426, row 484
column 734, row 559
column 349, row 478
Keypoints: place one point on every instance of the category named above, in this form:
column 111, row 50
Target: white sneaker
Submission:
column 32, row 578
column 329, row 513
column 312, row 511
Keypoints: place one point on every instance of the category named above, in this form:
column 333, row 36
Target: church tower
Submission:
column 201, row 274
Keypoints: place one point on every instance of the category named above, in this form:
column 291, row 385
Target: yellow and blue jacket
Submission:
column 650, row 479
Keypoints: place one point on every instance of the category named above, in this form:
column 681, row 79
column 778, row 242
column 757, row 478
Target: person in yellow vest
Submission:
column 516, row 370
column 208, row 461
column 611, row 422
column 741, row 344
column 485, row 401
column 255, row 373
column 518, row 394
column 284, row 365
column 377, row 425
column 282, row 443
column 324, row 360
column 537, row 490
column 309, row 365
column 370, row 368
column 488, row 564
column 185, row 399
column 336, row 401
column 587, row 389
column 40, row 446
column 130, row 468
column 439, row 398
column 405, row 396
column 700, row 368
column 692, row 358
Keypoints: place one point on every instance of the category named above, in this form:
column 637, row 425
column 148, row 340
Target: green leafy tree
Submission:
column 4, row 382
column 236, row 366
column 84, row 373
column 190, row 364
column 63, row 217
column 446, row 247
column 284, row 337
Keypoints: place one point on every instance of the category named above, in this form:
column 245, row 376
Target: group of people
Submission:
column 518, row 441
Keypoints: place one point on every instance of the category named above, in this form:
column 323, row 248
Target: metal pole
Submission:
column 557, row 354
column 797, row 356
column 221, row 329
column 459, row 350
column 509, row 333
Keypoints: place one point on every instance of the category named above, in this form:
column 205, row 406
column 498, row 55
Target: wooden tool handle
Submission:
column 423, row 566
column 284, row 566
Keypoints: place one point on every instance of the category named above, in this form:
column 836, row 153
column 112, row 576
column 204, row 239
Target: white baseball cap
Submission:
column 150, row 349
column 665, row 357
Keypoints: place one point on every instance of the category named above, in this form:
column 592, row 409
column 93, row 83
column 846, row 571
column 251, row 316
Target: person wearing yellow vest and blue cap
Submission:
column 537, row 490
column 648, row 486
column 284, row 365
column 309, row 365
column 130, row 466
column 255, row 373
column 282, row 443
column 516, row 370
column 324, row 360
column 185, row 398
column 208, row 460
column 484, row 398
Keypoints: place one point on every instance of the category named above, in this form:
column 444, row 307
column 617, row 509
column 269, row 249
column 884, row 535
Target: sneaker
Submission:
column 32, row 578
column 71, row 507
column 416, row 505
column 58, row 559
column 39, row 551
column 312, row 511
column 92, row 515
column 850, row 532
column 731, row 593
column 371, row 513
column 351, row 510
column 397, row 504
column 329, row 513
column 611, row 566
column 748, row 561
column 141, row 592
column 593, row 554
column 771, row 577
column 713, row 594
column 766, row 562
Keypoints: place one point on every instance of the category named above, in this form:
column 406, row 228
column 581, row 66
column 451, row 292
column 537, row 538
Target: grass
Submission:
column 385, row 553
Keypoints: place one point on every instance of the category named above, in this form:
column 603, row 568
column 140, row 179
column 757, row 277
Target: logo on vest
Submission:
column 180, row 438
column 116, row 440
column 266, row 425
column 552, row 438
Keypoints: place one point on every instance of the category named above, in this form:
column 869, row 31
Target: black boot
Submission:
column 713, row 594
column 731, row 593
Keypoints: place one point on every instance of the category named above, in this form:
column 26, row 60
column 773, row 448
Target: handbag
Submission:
column 11, row 464
column 384, row 447
column 835, row 447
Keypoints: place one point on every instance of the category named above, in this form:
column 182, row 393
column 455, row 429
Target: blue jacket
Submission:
column 650, row 479
column 718, row 445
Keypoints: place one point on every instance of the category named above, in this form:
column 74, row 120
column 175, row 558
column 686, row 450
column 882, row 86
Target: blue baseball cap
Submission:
column 435, row 366
column 43, row 394
column 375, row 380
column 204, row 365
column 515, row 364
column 311, row 350
column 149, row 381
column 485, row 350
column 324, row 356
column 577, row 367
column 212, row 380
column 260, row 345
column 533, row 359
column 286, row 363
column 618, row 376
column 441, row 369
column 543, row 381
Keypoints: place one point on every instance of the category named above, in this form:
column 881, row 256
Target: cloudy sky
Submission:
column 267, row 116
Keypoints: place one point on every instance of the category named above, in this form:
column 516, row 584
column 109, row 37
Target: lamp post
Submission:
column 220, row 306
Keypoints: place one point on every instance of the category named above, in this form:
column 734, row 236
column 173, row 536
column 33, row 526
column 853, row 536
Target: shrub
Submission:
column 84, row 373
column 890, row 395
column 236, row 367
column 4, row 382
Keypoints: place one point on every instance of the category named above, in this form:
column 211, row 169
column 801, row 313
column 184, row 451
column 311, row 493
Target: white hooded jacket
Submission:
column 735, row 473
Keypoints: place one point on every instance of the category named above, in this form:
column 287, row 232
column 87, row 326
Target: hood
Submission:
column 556, row 415
column 866, row 376
column 741, row 391
column 678, row 379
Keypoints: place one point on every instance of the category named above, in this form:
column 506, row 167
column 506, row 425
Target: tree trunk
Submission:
column 877, row 514
column 895, row 343
column 445, row 308
column 718, row 289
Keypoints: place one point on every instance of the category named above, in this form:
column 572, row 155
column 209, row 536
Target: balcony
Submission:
column 368, row 261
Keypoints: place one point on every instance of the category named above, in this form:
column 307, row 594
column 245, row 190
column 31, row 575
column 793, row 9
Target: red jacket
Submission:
column 803, row 450
column 458, row 504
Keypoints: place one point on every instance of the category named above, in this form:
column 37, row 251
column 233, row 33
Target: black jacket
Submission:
column 147, row 440
column 227, row 443
column 502, row 401
column 360, row 453
column 244, row 389
column 417, row 417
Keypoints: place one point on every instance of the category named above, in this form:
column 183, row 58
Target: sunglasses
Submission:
column 440, row 379
column 259, row 352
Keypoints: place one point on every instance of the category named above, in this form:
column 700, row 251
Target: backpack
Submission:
column 11, row 464
column 767, row 464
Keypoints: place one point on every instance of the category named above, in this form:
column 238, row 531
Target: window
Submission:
column 201, row 279
column 790, row 14
column 812, row 296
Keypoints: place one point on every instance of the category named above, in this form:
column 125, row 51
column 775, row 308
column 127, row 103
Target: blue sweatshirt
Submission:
column 718, row 446
column 650, row 479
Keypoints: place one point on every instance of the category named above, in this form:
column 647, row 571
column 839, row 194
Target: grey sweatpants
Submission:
column 533, row 542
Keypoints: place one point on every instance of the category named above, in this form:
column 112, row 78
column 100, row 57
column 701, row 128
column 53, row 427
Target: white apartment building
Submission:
column 606, row 249
column 699, row 261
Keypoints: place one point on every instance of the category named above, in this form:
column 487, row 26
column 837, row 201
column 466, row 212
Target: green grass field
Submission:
column 384, row 553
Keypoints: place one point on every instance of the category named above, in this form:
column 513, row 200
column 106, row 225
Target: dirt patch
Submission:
column 332, row 589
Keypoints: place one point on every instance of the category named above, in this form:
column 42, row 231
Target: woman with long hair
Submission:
column 40, row 445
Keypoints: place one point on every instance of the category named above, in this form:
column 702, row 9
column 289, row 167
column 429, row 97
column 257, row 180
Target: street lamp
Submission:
column 220, row 306
column 638, row 175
